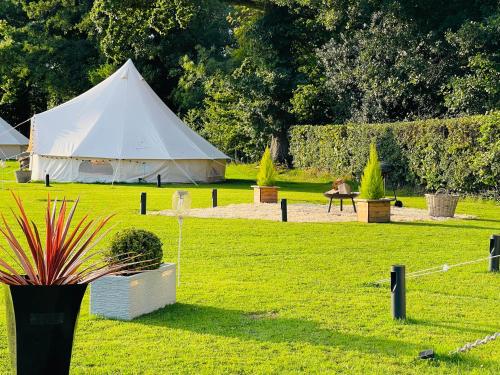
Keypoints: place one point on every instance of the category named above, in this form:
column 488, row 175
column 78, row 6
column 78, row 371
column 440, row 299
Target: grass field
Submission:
column 269, row 297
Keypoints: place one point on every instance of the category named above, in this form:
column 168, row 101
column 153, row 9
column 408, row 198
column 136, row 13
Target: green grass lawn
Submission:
column 269, row 297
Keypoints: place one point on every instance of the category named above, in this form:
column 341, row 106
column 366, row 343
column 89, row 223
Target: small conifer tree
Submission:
column 267, row 172
column 372, row 184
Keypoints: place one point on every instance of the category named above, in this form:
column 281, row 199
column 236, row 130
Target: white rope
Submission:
column 183, row 171
column 471, row 345
column 15, row 127
column 438, row 269
column 14, row 157
column 115, row 173
column 9, row 130
column 11, row 157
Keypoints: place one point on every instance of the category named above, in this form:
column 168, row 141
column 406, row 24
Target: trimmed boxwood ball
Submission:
column 141, row 245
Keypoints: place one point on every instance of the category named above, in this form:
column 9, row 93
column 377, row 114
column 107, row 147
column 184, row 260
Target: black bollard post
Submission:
column 47, row 180
column 398, row 292
column 143, row 203
column 494, row 253
column 158, row 181
column 214, row 198
column 284, row 213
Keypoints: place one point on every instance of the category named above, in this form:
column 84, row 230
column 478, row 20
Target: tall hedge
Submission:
column 461, row 154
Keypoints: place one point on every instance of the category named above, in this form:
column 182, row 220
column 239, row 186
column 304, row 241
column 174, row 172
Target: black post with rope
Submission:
column 214, row 198
column 494, row 253
column 284, row 211
column 143, row 203
column 398, row 292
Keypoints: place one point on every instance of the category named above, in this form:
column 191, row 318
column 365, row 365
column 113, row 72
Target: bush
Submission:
column 461, row 154
column 372, row 184
column 143, row 246
column 267, row 172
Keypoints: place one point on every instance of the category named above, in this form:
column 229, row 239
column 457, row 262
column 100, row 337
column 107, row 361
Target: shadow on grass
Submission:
column 307, row 187
column 430, row 323
column 436, row 224
column 487, row 220
column 268, row 327
column 229, row 184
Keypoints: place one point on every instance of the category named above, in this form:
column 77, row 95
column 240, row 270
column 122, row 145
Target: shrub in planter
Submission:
column 46, row 286
column 265, row 191
column 145, row 247
column 148, row 285
column 372, row 207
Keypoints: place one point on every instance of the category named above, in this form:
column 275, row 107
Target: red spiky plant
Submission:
column 62, row 258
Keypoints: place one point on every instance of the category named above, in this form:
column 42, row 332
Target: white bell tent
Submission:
column 120, row 130
column 12, row 143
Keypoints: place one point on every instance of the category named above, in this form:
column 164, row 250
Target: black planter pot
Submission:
column 41, row 322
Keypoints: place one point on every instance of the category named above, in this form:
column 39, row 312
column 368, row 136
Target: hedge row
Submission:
column 461, row 154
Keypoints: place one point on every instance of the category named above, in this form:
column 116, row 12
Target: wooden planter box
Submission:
column 265, row 194
column 374, row 210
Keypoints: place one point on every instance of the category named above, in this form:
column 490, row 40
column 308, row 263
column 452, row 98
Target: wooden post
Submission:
column 158, row 181
column 47, row 180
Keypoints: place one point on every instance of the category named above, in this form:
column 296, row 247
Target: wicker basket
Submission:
column 442, row 204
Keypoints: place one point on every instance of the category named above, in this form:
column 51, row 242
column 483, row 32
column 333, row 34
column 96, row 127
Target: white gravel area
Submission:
column 301, row 212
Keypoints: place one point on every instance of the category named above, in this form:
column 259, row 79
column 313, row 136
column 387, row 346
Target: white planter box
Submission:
column 127, row 297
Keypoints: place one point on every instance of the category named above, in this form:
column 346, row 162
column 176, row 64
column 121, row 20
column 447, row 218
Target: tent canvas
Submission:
column 120, row 130
column 12, row 143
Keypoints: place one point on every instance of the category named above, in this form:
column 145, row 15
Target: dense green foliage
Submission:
column 263, row 297
column 242, row 71
column 45, row 55
column 461, row 154
column 372, row 183
column 267, row 172
column 139, row 246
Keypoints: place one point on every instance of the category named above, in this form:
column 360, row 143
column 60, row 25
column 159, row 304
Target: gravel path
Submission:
column 301, row 212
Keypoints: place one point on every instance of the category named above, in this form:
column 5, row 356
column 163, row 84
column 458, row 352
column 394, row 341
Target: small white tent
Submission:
column 120, row 130
column 12, row 143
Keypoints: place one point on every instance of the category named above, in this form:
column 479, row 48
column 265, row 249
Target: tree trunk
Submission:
column 280, row 148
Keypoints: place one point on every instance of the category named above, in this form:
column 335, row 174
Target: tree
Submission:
column 45, row 55
column 476, row 89
column 372, row 183
column 385, row 72
column 273, row 49
column 157, row 34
